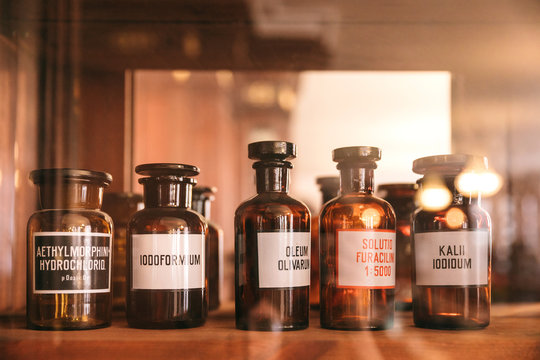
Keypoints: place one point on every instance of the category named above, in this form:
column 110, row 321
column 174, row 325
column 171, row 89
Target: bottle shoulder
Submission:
column 150, row 220
column 272, row 203
column 70, row 220
column 455, row 217
column 346, row 203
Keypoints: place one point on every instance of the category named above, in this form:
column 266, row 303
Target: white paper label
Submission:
column 284, row 259
column 366, row 258
column 456, row 258
column 168, row 261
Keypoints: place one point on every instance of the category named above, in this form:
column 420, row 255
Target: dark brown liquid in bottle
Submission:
column 452, row 307
column 167, row 202
column 329, row 188
column 120, row 206
column 202, row 198
column 353, row 308
column 401, row 197
column 272, row 210
column 78, row 213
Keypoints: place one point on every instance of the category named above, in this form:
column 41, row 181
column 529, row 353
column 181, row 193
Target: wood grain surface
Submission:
column 514, row 333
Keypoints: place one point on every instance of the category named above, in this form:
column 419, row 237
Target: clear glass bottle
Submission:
column 202, row 199
column 69, row 252
column 451, row 250
column 402, row 199
column 329, row 186
column 120, row 206
column 357, row 233
column 166, row 249
column 272, row 241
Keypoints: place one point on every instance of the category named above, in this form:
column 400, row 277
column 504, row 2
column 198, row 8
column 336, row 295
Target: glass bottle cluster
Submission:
column 352, row 255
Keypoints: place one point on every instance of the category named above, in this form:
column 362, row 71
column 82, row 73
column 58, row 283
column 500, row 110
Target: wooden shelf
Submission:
column 514, row 333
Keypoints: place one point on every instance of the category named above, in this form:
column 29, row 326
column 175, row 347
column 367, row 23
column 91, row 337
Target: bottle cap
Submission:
column 67, row 175
column 167, row 169
column 328, row 182
column 272, row 150
column 357, row 153
column 450, row 164
column 199, row 189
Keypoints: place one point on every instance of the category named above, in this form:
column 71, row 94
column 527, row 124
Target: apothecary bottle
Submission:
column 329, row 186
column 69, row 247
column 166, row 249
column 451, row 247
column 357, row 233
column 272, row 247
column 120, row 206
column 402, row 198
column 202, row 203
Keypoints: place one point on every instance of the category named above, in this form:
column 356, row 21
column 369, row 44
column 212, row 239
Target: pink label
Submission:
column 366, row 258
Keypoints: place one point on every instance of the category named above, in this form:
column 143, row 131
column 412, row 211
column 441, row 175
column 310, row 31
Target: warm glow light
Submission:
column 286, row 98
column 435, row 197
column 455, row 218
column 181, row 75
column 371, row 217
column 260, row 94
column 471, row 183
column 225, row 78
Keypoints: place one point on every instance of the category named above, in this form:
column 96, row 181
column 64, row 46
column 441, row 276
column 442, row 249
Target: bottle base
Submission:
column 66, row 326
column 268, row 326
column 164, row 325
column 450, row 323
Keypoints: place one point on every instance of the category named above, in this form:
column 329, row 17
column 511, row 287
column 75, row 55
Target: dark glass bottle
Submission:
column 402, row 199
column 120, row 206
column 329, row 186
column 357, row 248
column 166, row 247
column 272, row 240
column 451, row 250
column 69, row 252
column 202, row 198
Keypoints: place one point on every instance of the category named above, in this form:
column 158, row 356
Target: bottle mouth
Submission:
column 68, row 175
column 167, row 179
column 272, row 150
column 167, row 169
column 356, row 153
column 272, row 163
column 449, row 164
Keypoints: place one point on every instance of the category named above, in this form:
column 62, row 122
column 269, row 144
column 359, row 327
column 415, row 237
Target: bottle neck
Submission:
column 202, row 205
column 356, row 180
column 70, row 196
column 167, row 194
column 272, row 178
column 457, row 197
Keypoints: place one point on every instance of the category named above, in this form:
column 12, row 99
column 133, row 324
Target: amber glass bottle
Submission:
column 329, row 186
column 272, row 241
column 120, row 206
column 202, row 198
column 402, row 199
column 69, row 252
column 166, row 247
column 357, row 234
column 451, row 251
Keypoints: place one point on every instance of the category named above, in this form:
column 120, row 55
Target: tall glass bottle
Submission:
column 357, row 233
column 69, row 252
column 166, row 248
column 329, row 186
column 451, row 248
column 120, row 206
column 202, row 199
column 402, row 199
column 272, row 241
